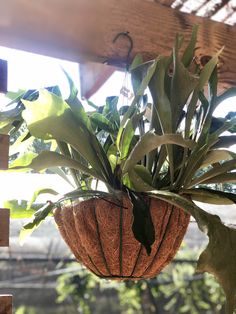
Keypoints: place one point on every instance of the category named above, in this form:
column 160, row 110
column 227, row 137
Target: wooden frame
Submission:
column 83, row 30
column 6, row 304
column 4, row 226
column 4, row 151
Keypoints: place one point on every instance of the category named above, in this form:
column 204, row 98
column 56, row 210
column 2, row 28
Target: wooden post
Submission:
column 6, row 304
column 4, row 226
column 4, row 151
column 5, row 299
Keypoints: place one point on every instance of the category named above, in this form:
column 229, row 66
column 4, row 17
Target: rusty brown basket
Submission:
column 99, row 233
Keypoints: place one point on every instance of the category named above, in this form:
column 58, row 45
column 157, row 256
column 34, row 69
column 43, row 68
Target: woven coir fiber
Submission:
column 99, row 233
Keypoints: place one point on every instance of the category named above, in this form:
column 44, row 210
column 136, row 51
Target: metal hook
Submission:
column 125, row 34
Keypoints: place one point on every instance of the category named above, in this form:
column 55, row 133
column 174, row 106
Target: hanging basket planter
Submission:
column 99, row 233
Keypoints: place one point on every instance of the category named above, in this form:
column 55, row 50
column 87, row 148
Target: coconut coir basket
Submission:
column 99, row 233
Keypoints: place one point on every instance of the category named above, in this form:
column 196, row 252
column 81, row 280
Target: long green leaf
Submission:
column 188, row 54
column 209, row 196
column 222, row 178
column 39, row 192
column 48, row 159
column 36, row 220
column 182, row 85
column 203, row 79
column 217, row 155
column 127, row 134
column 215, row 171
column 161, row 102
column 151, row 141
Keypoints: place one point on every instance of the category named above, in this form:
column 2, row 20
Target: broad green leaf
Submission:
column 39, row 192
column 36, row 220
column 22, row 162
column 110, row 111
column 75, row 104
column 142, row 227
column 112, row 154
column 18, row 209
column 49, row 117
column 127, row 134
column 102, row 122
column 140, row 181
column 217, row 155
column 151, row 141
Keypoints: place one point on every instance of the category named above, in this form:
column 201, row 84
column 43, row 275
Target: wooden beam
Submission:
column 84, row 30
column 93, row 76
column 4, row 151
column 6, row 304
column 4, row 227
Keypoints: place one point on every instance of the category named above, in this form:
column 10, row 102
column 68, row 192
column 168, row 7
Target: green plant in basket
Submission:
column 155, row 158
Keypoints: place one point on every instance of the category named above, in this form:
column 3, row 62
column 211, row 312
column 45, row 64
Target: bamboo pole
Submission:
column 6, row 304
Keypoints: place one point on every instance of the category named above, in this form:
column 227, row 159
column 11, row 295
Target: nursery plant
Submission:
column 154, row 158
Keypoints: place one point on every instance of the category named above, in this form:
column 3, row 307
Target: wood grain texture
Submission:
column 4, row 151
column 84, row 30
column 4, row 226
column 6, row 304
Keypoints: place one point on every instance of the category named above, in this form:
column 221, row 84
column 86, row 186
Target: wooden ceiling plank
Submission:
column 82, row 30
column 167, row 3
